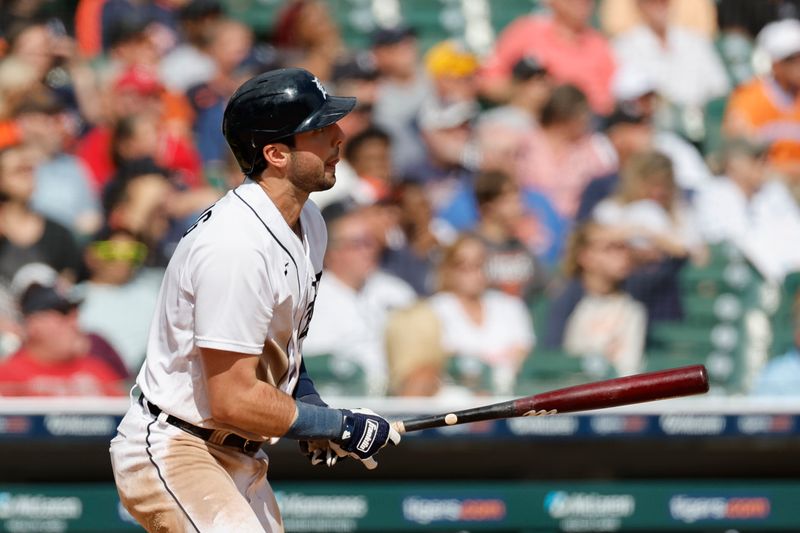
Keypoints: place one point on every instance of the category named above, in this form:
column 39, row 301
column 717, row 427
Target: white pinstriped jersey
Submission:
column 240, row 280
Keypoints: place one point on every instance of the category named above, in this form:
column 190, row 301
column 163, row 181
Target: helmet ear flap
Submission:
column 258, row 164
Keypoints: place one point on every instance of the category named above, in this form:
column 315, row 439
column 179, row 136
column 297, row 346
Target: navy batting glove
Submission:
column 363, row 435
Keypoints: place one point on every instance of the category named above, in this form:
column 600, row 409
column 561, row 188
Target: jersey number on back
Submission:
column 202, row 218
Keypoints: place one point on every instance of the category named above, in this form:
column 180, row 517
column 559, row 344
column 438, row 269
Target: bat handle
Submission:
column 399, row 426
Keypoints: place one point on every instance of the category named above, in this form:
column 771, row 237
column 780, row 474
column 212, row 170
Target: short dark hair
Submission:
column 359, row 139
column 489, row 185
column 565, row 102
column 116, row 189
column 260, row 164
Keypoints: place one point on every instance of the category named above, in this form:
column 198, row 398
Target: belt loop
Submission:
column 145, row 404
column 162, row 417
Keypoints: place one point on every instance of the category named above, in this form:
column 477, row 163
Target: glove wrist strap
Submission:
column 314, row 422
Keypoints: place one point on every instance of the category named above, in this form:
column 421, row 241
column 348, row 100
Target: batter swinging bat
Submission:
column 639, row 388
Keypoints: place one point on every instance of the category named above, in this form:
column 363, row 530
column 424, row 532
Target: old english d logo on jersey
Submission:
column 308, row 314
column 370, row 430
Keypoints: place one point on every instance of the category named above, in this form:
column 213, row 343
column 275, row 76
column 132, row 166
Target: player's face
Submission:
column 312, row 165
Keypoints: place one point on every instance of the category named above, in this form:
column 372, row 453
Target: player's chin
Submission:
column 328, row 178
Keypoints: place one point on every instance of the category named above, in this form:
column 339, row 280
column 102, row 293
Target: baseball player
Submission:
column 224, row 370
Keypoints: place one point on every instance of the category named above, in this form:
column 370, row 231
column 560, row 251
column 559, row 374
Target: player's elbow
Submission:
column 222, row 408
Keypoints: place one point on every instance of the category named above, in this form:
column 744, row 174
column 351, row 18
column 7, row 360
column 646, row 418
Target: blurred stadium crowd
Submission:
column 591, row 189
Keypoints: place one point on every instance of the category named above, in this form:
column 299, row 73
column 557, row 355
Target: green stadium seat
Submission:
column 336, row 376
column 549, row 369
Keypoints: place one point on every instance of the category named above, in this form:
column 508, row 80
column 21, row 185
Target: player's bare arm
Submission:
column 238, row 398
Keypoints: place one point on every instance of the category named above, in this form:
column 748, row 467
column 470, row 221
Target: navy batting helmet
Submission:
column 275, row 105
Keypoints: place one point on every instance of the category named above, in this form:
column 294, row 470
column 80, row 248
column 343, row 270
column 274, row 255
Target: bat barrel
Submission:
column 639, row 388
column 627, row 390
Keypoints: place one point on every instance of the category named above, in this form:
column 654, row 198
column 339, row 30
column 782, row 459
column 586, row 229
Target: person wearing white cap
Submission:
column 636, row 91
column 767, row 109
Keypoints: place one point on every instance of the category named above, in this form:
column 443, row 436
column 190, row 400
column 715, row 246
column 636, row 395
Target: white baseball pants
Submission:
column 171, row 481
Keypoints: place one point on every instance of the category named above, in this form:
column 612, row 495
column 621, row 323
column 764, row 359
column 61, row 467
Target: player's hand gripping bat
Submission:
column 639, row 388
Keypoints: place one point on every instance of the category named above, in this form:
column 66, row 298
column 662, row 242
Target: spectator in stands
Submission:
column 748, row 207
column 410, row 253
column 130, row 42
column 119, row 296
column 781, row 375
column 308, row 37
column 451, row 68
column 451, row 162
column 357, row 76
column 565, row 43
column 54, row 359
column 64, row 192
column 46, row 47
column 156, row 18
column 749, row 18
column 369, row 155
column 140, row 200
column 767, row 109
column 228, row 45
column 480, row 327
column 26, row 236
column 402, row 88
column 188, row 64
column 618, row 16
column 354, row 297
column 647, row 203
column 562, row 157
column 510, row 267
column 137, row 92
column 629, row 130
column 636, row 93
column 661, row 229
column 593, row 316
column 502, row 130
column 418, row 362
column 684, row 64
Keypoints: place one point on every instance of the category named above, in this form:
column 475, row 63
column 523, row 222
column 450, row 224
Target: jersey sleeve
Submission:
column 233, row 296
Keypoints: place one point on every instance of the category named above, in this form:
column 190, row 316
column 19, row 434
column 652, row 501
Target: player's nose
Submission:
column 338, row 135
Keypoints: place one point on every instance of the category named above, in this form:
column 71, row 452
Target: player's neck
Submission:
column 288, row 199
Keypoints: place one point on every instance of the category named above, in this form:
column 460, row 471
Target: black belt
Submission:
column 232, row 440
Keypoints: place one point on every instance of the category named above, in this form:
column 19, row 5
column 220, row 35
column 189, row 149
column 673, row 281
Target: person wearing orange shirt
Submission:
column 565, row 43
column 767, row 109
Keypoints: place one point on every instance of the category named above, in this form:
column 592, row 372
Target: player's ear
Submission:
column 276, row 155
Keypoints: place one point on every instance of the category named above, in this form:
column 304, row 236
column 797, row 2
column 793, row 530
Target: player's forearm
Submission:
column 265, row 410
column 259, row 408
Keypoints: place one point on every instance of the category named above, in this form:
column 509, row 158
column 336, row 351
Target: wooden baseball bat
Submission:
column 638, row 388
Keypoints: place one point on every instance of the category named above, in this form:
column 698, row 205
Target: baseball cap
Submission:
column 38, row 298
column 526, row 68
column 780, row 40
column 623, row 114
column 450, row 58
column 359, row 66
column 125, row 30
column 139, row 80
column 435, row 115
column 631, row 84
column 393, row 35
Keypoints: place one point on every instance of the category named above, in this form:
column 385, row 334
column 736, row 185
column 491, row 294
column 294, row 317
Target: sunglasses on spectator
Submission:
column 128, row 251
